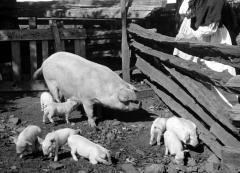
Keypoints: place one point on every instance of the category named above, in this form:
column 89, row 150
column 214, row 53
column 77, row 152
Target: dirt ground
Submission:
column 126, row 135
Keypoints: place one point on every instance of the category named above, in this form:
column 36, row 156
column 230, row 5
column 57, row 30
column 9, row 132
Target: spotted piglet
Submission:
column 85, row 148
column 157, row 129
column 27, row 138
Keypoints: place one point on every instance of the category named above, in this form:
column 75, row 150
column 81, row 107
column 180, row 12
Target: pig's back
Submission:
column 74, row 74
column 30, row 133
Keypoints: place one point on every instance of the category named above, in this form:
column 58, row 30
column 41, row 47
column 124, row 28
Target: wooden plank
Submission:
column 205, row 135
column 23, row 86
column 16, row 60
column 125, row 48
column 56, row 36
column 196, row 48
column 44, row 50
column 63, row 45
column 186, row 67
column 186, row 100
column 33, row 48
column 206, row 98
column 231, row 156
column 80, row 47
column 40, row 34
column 33, row 57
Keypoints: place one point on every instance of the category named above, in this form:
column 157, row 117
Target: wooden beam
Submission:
column 186, row 100
column 186, row 67
column 208, row 138
column 40, row 34
column 44, row 50
column 16, row 61
column 33, row 48
column 196, row 48
column 206, row 98
column 56, row 36
column 125, row 47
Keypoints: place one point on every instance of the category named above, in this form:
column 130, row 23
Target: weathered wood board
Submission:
column 187, row 101
column 201, row 49
column 87, row 9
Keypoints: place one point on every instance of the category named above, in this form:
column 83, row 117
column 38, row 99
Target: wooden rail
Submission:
column 189, row 89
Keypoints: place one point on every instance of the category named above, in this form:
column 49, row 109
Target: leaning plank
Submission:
column 185, row 99
column 205, row 135
column 40, row 34
column 16, row 60
column 187, row 67
column 196, row 48
column 206, row 98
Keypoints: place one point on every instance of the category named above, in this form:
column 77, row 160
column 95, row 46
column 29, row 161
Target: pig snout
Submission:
column 135, row 105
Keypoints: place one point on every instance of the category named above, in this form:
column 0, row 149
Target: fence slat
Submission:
column 63, row 45
column 44, row 50
column 33, row 57
column 16, row 60
column 77, row 49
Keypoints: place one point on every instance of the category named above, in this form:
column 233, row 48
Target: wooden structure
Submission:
column 190, row 90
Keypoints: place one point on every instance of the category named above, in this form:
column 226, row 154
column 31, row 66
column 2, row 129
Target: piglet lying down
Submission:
column 94, row 152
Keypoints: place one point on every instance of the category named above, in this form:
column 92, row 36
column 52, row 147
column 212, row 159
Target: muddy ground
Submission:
column 125, row 134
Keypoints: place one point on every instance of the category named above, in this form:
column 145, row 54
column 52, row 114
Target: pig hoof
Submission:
column 92, row 123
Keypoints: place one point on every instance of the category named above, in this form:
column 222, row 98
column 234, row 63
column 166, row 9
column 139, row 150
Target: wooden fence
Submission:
column 187, row 88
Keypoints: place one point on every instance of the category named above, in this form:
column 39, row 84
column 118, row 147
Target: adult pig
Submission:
column 90, row 83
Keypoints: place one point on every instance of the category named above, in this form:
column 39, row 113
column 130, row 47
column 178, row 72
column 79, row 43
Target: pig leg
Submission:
column 152, row 136
column 159, row 135
column 73, row 153
column 52, row 86
column 88, row 108
column 99, row 159
column 92, row 159
column 166, row 151
column 67, row 118
column 56, row 153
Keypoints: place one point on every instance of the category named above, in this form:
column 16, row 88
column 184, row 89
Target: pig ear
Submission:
column 14, row 139
column 123, row 95
column 40, row 140
column 28, row 143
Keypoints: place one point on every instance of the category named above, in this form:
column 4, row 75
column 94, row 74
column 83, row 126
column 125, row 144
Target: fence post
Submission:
column 56, row 36
column 33, row 47
column 125, row 47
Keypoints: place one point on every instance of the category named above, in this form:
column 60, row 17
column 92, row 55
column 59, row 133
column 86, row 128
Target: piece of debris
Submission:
column 212, row 164
column 140, row 152
column 116, row 123
column 129, row 168
column 191, row 162
column 56, row 166
column 14, row 120
column 154, row 168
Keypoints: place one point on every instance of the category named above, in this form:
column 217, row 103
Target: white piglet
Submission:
column 184, row 129
column 157, row 129
column 85, row 148
column 64, row 108
column 174, row 146
column 45, row 99
column 27, row 138
column 54, row 140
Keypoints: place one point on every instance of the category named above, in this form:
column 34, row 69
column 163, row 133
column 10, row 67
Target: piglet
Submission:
column 64, row 108
column 185, row 130
column 85, row 148
column 45, row 99
column 174, row 146
column 157, row 129
column 28, row 137
column 54, row 140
